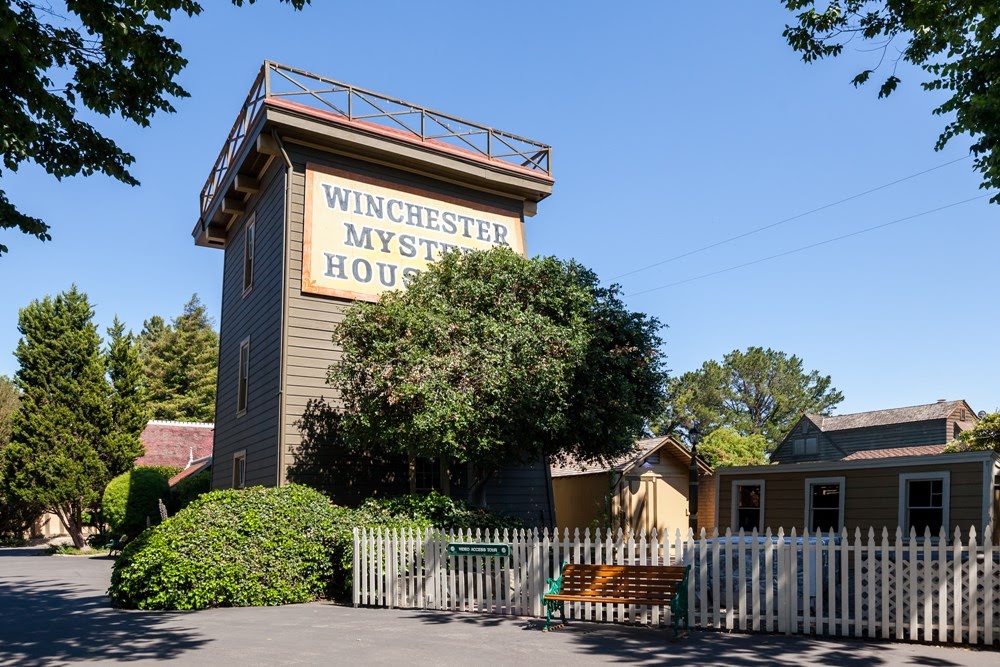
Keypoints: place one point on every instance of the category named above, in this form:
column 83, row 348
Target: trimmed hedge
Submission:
column 190, row 488
column 267, row 546
column 233, row 548
column 132, row 496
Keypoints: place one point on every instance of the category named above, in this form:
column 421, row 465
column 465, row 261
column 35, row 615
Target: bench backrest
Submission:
column 651, row 582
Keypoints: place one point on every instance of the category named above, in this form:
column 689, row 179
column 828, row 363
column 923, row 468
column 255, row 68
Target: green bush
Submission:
column 133, row 496
column 250, row 547
column 190, row 488
column 409, row 511
column 435, row 509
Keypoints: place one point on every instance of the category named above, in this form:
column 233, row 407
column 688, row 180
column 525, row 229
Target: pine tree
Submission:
column 58, row 451
column 127, row 402
column 151, row 340
column 180, row 363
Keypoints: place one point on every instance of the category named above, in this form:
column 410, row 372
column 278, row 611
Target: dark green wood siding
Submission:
column 256, row 315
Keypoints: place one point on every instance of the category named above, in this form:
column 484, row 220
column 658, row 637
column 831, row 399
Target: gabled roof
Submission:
column 193, row 469
column 916, row 413
column 170, row 443
column 643, row 448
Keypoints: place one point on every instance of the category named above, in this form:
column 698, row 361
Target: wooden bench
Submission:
column 651, row 585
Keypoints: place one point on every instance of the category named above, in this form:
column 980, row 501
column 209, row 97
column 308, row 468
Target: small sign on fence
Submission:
column 475, row 549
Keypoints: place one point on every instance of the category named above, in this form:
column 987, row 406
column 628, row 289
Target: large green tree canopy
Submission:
column 10, row 400
column 491, row 359
column 180, row 364
column 756, row 392
column 956, row 42
column 110, row 57
column 67, row 439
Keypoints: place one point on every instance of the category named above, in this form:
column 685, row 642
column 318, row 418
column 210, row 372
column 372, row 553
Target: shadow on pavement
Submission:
column 42, row 623
column 636, row 644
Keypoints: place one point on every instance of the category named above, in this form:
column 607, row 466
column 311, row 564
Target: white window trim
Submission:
column 239, row 377
column 240, row 455
column 808, row 503
column 251, row 224
column 734, row 502
column 906, row 477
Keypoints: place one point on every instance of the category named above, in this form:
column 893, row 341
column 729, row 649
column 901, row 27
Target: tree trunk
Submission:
column 70, row 519
column 478, row 478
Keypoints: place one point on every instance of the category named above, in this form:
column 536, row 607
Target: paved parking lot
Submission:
column 54, row 611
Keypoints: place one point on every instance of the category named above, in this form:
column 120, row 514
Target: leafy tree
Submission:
column 726, row 447
column 490, row 359
column 757, row 392
column 109, row 57
column 58, row 456
column 985, row 435
column 10, row 400
column 180, row 364
column 956, row 42
column 15, row 516
column 128, row 399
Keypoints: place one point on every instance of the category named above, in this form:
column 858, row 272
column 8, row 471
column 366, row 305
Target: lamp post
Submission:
column 694, row 434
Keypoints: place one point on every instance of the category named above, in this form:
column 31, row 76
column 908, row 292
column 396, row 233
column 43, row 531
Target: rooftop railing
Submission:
column 357, row 104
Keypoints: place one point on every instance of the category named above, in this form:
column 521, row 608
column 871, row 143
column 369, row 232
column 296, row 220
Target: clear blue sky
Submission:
column 674, row 126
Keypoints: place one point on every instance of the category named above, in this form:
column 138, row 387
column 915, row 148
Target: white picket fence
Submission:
column 939, row 589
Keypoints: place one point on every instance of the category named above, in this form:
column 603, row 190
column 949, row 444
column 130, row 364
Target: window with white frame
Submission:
column 243, row 387
column 924, row 501
column 748, row 505
column 825, row 504
column 249, row 241
column 240, row 470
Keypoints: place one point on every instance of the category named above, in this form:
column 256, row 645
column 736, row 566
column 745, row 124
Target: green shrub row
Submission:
column 250, row 547
column 266, row 546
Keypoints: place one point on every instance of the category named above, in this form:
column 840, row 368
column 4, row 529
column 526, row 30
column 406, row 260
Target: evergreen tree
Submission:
column 10, row 399
column 127, row 401
column 180, row 364
column 756, row 392
column 151, row 340
column 57, row 457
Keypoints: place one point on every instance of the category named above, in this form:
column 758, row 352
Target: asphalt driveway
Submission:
column 54, row 611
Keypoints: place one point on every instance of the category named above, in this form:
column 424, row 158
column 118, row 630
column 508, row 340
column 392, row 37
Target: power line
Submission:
column 811, row 245
column 781, row 222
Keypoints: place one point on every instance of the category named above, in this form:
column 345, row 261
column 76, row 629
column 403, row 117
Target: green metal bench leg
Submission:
column 551, row 606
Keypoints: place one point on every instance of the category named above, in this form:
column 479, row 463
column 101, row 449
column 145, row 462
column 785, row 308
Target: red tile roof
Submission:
column 193, row 469
column 923, row 450
column 175, row 443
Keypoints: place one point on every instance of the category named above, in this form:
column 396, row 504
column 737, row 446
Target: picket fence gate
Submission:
column 902, row 588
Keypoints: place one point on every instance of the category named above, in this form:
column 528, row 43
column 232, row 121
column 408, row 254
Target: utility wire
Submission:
column 807, row 247
column 781, row 222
